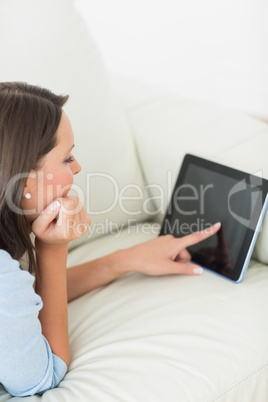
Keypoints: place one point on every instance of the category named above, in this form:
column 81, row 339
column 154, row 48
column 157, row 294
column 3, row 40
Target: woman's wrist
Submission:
column 51, row 262
column 118, row 262
column 42, row 247
column 124, row 261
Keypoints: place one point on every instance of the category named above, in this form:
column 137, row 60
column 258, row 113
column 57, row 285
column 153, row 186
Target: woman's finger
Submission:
column 42, row 222
column 184, row 268
column 183, row 256
column 196, row 237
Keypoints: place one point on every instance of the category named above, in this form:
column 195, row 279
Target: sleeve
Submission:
column 27, row 364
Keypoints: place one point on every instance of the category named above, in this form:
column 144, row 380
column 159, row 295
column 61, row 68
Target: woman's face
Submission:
column 55, row 177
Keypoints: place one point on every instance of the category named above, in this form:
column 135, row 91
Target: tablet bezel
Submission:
column 251, row 235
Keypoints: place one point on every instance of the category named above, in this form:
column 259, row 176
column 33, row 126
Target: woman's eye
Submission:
column 70, row 159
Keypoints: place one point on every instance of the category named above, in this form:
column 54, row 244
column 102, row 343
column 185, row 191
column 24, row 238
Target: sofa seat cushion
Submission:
column 168, row 338
column 171, row 338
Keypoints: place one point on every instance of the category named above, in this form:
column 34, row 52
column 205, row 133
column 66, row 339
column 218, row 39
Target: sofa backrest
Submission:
column 46, row 43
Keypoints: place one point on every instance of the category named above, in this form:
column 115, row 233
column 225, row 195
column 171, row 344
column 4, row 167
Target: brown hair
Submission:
column 29, row 119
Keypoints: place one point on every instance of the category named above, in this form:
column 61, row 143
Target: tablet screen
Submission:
column 206, row 193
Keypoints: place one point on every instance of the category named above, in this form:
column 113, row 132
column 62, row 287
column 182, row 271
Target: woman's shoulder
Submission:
column 7, row 263
column 16, row 286
column 9, row 267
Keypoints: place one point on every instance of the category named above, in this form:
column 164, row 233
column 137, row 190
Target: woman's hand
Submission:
column 165, row 254
column 62, row 221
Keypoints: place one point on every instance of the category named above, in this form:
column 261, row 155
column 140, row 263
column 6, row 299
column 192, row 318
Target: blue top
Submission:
column 27, row 364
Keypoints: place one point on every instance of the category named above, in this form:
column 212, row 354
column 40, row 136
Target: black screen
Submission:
column 202, row 197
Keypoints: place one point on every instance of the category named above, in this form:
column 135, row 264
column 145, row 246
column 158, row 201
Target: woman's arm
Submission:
column 51, row 243
column 51, row 286
column 161, row 256
column 88, row 276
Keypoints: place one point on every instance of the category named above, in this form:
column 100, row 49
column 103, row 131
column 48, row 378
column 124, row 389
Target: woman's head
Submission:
column 54, row 176
column 34, row 132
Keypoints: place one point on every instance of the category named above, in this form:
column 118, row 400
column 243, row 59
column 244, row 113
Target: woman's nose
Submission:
column 76, row 168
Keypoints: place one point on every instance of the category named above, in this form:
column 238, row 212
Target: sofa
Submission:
column 143, row 338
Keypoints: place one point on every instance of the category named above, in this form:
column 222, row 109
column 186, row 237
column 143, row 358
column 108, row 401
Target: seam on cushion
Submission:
column 246, row 378
column 142, row 170
column 147, row 192
column 242, row 142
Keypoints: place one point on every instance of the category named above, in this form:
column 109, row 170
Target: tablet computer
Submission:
column 207, row 192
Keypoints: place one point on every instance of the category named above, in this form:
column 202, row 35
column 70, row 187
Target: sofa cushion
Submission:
column 170, row 338
column 46, row 42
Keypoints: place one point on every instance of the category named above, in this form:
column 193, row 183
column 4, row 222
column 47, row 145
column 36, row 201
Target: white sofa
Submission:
column 141, row 338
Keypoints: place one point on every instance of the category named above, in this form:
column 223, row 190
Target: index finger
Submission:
column 196, row 237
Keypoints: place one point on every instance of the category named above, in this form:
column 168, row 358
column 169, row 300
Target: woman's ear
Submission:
column 30, row 184
column 26, row 191
column 29, row 197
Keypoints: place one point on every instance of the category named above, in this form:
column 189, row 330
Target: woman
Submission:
column 36, row 172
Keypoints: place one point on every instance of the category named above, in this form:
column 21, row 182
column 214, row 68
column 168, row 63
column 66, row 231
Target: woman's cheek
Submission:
column 57, row 184
column 64, row 184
